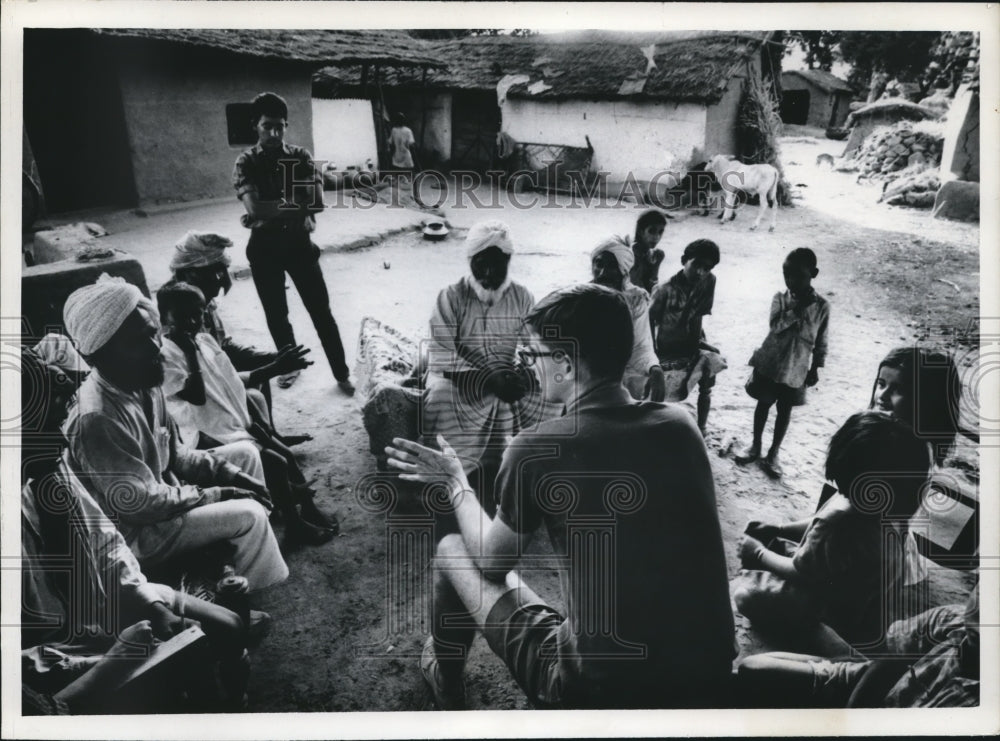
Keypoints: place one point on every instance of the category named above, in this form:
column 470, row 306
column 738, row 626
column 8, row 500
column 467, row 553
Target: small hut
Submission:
column 644, row 101
column 123, row 117
column 814, row 98
column 886, row 112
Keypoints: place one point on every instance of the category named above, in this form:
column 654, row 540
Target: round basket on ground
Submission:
column 836, row 133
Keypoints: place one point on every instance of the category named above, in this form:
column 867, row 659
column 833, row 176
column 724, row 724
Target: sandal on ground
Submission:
column 285, row 381
column 306, row 533
column 346, row 386
column 321, row 520
column 292, row 440
column 447, row 695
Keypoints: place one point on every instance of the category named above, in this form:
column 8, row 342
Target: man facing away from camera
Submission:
column 625, row 491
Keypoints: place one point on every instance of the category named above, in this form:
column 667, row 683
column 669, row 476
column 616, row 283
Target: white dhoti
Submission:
column 242, row 522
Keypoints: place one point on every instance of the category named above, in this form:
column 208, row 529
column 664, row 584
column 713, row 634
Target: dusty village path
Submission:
column 332, row 648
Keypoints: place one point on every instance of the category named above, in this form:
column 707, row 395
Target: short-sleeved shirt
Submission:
column 676, row 304
column 626, row 493
column 796, row 341
column 261, row 173
column 850, row 562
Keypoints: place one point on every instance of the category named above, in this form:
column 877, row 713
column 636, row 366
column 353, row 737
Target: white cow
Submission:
column 734, row 176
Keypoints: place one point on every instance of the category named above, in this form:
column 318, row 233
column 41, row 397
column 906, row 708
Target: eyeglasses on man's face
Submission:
column 529, row 356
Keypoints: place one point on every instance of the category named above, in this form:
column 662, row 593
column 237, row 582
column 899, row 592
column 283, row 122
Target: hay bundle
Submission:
column 758, row 126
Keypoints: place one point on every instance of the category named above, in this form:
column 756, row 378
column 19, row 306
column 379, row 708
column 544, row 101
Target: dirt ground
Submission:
column 346, row 636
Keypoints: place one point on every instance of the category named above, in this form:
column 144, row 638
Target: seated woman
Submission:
column 921, row 389
column 103, row 606
column 207, row 398
column 828, row 579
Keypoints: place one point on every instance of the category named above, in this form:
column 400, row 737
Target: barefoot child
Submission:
column 676, row 314
column 648, row 233
column 788, row 359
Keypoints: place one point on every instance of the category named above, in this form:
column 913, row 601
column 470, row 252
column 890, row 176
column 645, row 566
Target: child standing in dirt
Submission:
column 648, row 233
column 790, row 356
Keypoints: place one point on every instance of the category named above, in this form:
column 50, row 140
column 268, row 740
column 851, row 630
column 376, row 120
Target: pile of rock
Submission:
column 891, row 149
column 917, row 190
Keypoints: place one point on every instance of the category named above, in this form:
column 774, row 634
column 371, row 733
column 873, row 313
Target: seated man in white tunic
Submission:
column 472, row 384
column 610, row 264
column 125, row 447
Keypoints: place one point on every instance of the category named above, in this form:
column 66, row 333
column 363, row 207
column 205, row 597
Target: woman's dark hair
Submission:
column 878, row 463
column 594, row 323
column 649, row 218
column 271, row 105
column 173, row 293
column 931, row 384
column 398, row 119
column 701, row 249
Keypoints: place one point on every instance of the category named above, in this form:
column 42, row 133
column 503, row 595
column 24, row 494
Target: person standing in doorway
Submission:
column 402, row 143
column 282, row 192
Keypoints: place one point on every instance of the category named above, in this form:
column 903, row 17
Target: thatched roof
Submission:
column 689, row 66
column 313, row 47
column 897, row 107
column 823, row 80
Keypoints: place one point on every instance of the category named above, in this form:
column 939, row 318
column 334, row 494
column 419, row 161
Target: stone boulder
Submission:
column 957, row 200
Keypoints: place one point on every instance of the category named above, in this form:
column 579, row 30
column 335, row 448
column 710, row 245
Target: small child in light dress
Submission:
column 790, row 356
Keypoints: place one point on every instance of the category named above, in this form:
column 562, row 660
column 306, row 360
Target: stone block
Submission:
column 45, row 288
column 957, row 200
column 63, row 242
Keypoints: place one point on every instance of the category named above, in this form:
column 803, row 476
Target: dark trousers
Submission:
column 271, row 255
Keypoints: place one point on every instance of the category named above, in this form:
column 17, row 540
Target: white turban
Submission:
column 488, row 234
column 93, row 314
column 200, row 250
column 621, row 249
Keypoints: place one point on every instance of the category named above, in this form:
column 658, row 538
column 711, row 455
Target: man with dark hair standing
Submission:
column 626, row 493
column 282, row 192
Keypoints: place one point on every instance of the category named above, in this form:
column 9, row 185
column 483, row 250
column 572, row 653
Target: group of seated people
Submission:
column 534, row 412
column 523, row 397
column 150, row 440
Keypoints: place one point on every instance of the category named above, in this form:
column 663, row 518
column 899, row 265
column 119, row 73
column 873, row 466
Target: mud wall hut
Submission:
column 814, row 97
column 645, row 101
column 127, row 117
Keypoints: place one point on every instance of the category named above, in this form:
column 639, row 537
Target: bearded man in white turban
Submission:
column 124, row 446
column 472, row 384
column 610, row 264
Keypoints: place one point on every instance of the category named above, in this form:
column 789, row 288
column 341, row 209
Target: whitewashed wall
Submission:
column 641, row 137
column 343, row 132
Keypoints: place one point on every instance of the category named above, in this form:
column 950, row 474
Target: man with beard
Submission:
column 611, row 261
column 125, row 448
column 70, row 618
column 472, row 384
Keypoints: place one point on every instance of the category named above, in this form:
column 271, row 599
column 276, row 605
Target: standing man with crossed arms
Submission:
column 280, row 224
